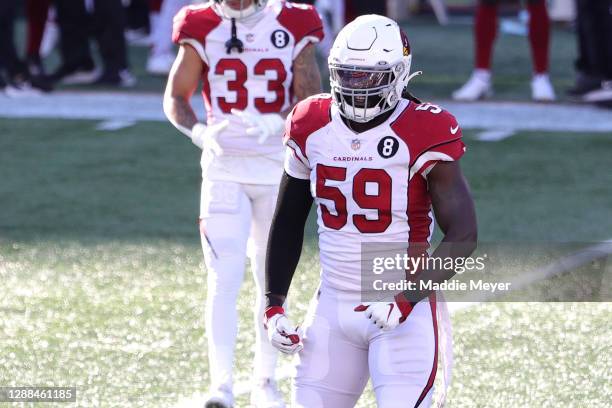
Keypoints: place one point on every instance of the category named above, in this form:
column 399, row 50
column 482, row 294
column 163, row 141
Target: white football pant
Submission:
column 230, row 214
column 343, row 349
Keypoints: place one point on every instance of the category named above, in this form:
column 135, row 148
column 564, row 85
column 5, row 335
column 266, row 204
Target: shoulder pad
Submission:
column 307, row 117
column 194, row 22
column 302, row 20
column 424, row 127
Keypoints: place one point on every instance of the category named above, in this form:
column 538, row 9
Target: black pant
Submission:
column 594, row 24
column 137, row 15
column 109, row 26
column 106, row 23
column 73, row 22
column 9, row 61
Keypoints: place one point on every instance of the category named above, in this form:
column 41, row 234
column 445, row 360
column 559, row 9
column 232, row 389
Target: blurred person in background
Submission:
column 138, row 16
column 337, row 13
column 15, row 80
column 161, row 55
column 37, row 12
column 255, row 60
column 594, row 63
column 485, row 30
column 105, row 20
column 77, row 65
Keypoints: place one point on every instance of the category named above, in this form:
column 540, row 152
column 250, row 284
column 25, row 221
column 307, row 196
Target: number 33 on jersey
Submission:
column 370, row 186
column 258, row 79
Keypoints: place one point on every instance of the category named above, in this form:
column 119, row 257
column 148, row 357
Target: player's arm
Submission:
column 284, row 250
column 306, row 75
column 454, row 209
column 183, row 80
column 286, row 237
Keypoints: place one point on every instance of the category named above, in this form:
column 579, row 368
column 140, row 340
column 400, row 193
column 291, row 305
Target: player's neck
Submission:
column 358, row 127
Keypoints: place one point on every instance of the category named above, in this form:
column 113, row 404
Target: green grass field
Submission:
column 103, row 283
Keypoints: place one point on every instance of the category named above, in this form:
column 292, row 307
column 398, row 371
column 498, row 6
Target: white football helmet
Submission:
column 239, row 9
column 369, row 66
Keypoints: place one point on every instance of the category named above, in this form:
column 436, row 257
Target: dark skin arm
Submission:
column 454, row 210
column 452, row 203
column 183, row 81
column 286, row 237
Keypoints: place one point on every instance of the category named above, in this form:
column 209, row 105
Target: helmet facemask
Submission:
column 369, row 66
column 362, row 93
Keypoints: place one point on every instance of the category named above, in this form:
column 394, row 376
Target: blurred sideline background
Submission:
column 100, row 262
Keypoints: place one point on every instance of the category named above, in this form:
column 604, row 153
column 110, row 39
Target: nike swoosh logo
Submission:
column 454, row 130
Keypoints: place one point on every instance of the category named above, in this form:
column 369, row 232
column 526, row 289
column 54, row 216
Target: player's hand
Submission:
column 263, row 125
column 206, row 137
column 387, row 315
column 282, row 333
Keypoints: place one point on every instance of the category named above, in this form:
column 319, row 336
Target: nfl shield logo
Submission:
column 355, row 144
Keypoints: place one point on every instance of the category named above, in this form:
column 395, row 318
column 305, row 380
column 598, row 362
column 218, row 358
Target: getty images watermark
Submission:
column 521, row 271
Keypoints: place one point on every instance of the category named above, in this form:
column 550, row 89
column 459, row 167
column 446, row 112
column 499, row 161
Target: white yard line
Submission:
column 494, row 135
column 111, row 125
column 509, row 116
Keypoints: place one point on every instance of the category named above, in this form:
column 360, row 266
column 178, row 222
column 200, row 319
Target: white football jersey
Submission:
column 368, row 187
column 258, row 79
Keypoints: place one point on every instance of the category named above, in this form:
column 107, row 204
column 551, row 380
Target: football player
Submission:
column 376, row 161
column 253, row 60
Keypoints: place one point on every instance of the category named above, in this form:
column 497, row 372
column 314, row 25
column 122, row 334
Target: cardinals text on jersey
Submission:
column 371, row 186
column 258, row 79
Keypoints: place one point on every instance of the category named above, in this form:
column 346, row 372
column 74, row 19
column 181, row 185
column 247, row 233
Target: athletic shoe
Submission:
column 584, row 84
column 21, row 89
column 265, row 394
column 602, row 94
column 541, row 88
column 477, row 87
column 83, row 73
column 138, row 37
column 123, row 79
column 220, row 398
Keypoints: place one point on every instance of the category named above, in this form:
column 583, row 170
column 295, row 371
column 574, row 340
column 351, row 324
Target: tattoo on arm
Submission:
column 180, row 113
column 306, row 75
column 182, row 82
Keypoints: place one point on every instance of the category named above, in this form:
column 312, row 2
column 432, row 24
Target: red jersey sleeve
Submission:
column 304, row 24
column 192, row 24
column 305, row 118
column 431, row 134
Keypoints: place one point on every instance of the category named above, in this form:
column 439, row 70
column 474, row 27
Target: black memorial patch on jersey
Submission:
column 387, row 147
column 279, row 38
